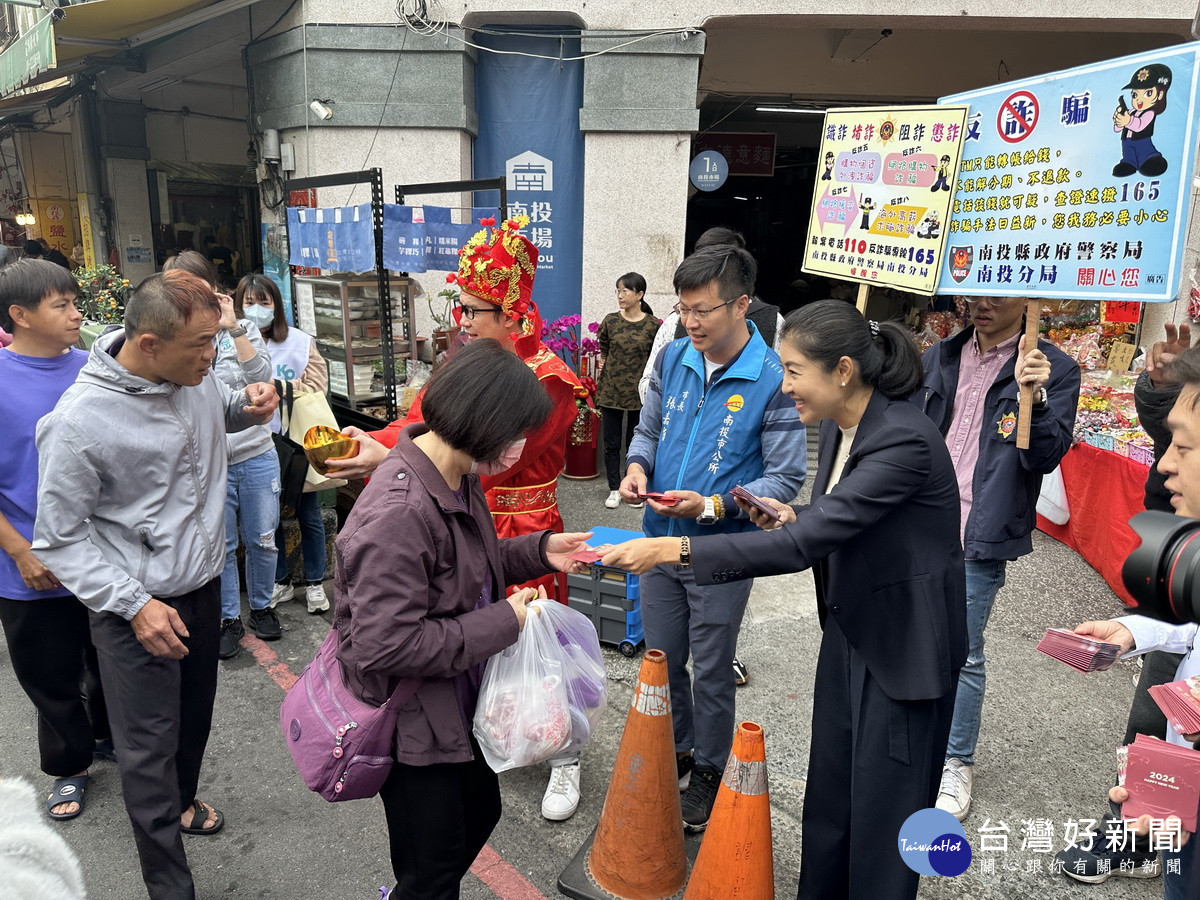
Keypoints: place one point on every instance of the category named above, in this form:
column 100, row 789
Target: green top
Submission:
column 625, row 346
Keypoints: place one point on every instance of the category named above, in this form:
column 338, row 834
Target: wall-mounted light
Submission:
column 25, row 218
column 320, row 109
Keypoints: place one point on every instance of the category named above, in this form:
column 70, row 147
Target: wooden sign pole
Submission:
column 1033, row 313
column 863, row 290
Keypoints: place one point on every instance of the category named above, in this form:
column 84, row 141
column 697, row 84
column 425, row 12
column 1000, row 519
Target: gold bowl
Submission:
column 322, row 443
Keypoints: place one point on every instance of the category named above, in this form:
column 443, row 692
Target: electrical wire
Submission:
column 263, row 36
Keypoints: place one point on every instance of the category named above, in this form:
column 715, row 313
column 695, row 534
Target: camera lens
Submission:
column 1163, row 573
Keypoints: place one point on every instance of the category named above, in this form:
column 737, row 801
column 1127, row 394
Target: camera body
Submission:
column 1163, row 572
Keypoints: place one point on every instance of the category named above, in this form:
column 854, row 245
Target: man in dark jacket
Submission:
column 971, row 391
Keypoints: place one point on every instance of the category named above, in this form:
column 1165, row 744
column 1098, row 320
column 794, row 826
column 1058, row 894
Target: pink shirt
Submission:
column 976, row 373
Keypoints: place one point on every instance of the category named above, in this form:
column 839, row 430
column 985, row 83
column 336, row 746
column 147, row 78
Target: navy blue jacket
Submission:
column 1007, row 480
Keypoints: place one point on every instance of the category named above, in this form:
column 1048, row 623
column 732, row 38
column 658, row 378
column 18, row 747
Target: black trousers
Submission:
column 614, row 446
column 439, row 817
column 161, row 712
column 55, row 664
column 874, row 762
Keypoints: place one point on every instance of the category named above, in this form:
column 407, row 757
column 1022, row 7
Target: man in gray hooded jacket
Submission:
column 131, row 507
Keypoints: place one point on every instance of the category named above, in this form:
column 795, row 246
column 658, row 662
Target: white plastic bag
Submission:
column 541, row 697
column 1052, row 501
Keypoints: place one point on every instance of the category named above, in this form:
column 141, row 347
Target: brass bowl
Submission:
column 322, row 443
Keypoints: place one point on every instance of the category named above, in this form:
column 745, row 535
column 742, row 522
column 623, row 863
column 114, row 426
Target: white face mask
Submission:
column 508, row 459
column 259, row 315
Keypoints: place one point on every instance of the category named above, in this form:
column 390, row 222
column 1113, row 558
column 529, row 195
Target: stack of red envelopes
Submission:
column 743, row 494
column 1180, row 703
column 1078, row 650
column 1163, row 780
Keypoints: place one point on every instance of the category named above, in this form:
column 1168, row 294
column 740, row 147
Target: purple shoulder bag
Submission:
column 342, row 746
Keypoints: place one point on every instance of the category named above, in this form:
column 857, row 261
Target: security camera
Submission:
column 320, row 110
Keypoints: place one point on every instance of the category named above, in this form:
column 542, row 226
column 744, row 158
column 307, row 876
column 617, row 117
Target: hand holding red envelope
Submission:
column 1079, row 651
column 1180, row 703
column 658, row 497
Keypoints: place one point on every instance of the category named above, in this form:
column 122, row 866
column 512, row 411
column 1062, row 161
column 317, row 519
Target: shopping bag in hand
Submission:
column 545, row 694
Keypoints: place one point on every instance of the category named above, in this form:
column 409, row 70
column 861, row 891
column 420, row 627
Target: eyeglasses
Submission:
column 992, row 301
column 699, row 314
column 470, row 312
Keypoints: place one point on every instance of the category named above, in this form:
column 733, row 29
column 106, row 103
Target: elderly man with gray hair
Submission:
column 131, row 511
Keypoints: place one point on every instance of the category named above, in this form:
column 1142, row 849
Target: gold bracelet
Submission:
column 718, row 506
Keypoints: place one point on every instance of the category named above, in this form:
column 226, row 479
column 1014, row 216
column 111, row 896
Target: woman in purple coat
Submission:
column 420, row 596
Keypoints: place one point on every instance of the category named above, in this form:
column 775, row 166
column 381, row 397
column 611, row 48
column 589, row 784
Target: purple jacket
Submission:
column 411, row 563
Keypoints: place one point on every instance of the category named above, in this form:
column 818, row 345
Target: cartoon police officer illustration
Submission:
column 1148, row 97
column 943, row 173
column 828, row 174
column 867, row 206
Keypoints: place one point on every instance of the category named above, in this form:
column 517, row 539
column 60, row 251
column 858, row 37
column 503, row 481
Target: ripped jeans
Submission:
column 252, row 495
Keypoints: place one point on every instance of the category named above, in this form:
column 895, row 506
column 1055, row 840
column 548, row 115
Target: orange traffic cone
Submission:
column 735, row 858
column 636, row 852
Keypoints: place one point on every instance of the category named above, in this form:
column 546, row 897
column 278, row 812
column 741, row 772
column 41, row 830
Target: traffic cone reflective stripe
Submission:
column 637, row 851
column 735, row 858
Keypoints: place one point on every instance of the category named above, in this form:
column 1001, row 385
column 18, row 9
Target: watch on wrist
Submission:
column 237, row 332
column 709, row 516
column 1041, row 398
column 685, row 551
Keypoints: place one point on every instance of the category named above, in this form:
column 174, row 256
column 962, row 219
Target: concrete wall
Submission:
column 131, row 211
column 48, row 163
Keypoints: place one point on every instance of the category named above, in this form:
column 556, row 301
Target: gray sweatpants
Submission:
column 681, row 617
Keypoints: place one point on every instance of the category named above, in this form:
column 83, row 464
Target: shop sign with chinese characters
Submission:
column 1077, row 183
column 885, row 179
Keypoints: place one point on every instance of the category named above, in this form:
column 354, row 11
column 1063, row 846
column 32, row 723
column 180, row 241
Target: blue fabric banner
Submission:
column 529, row 134
column 431, row 245
column 339, row 238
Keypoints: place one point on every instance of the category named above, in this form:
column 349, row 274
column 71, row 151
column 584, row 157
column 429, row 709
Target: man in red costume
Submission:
column 495, row 275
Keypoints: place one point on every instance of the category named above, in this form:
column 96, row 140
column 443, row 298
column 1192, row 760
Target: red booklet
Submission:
column 1163, row 780
column 743, row 494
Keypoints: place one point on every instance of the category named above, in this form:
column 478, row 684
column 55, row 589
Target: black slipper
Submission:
column 67, row 790
column 200, row 816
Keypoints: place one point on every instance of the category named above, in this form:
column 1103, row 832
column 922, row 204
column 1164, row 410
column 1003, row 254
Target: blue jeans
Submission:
column 985, row 577
column 252, row 495
column 1175, row 886
column 312, row 541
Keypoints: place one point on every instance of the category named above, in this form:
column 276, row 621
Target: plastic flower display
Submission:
column 581, row 354
column 102, row 295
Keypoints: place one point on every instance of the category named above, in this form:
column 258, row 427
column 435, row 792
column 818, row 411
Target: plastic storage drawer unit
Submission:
column 610, row 597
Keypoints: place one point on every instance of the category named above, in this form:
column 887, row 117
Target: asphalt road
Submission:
column 1046, row 752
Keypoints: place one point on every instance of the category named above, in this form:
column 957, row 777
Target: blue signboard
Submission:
column 529, row 134
column 275, row 266
column 1077, row 184
column 339, row 238
column 708, row 170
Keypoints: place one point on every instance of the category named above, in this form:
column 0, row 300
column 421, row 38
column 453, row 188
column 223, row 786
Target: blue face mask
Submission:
column 259, row 315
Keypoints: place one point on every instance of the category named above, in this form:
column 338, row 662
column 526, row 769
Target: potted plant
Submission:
column 444, row 330
column 101, row 300
column 581, row 355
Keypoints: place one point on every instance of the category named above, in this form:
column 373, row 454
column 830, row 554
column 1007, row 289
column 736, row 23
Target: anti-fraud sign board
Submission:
column 885, row 179
column 1076, row 184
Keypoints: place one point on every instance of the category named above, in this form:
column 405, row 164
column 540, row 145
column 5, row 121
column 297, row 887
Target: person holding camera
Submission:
column 1180, row 466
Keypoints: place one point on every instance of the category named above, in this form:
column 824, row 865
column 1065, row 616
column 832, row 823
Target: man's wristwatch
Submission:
column 1041, row 398
column 237, row 332
column 685, row 551
column 709, row 516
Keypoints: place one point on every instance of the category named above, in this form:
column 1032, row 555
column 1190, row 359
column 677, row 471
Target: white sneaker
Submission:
column 613, row 501
column 562, row 793
column 281, row 593
column 954, row 795
column 315, row 595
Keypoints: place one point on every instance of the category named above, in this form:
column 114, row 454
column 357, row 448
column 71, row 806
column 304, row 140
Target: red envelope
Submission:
column 659, row 498
column 587, row 555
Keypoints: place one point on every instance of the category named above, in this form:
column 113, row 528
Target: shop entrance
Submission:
column 220, row 221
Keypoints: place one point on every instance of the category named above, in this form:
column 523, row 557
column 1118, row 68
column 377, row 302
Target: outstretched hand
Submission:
column 1162, row 353
column 560, row 547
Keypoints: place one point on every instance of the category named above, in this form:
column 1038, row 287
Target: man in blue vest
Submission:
column 714, row 417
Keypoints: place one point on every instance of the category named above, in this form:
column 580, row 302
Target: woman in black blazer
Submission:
column 882, row 536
